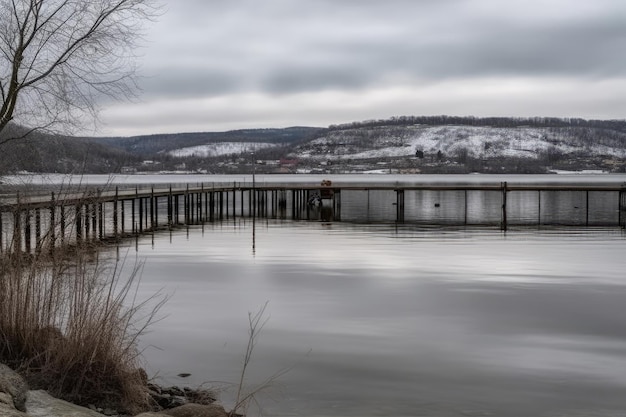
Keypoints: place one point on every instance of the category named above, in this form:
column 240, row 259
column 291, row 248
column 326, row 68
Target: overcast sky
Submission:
column 231, row 64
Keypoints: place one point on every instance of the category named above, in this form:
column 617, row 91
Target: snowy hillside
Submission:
column 221, row 148
column 476, row 142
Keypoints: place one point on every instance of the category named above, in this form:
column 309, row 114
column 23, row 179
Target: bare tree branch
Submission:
column 58, row 58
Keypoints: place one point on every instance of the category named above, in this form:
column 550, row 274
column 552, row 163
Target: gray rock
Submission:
column 7, row 409
column 42, row 404
column 6, row 400
column 10, row 411
column 13, row 384
column 151, row 414
column 197, row 410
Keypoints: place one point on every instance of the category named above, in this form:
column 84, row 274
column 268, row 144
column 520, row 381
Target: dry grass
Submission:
column 70, row 325
column 246, row 396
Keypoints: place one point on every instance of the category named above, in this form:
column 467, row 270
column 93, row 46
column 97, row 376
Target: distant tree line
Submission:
column 504, row 122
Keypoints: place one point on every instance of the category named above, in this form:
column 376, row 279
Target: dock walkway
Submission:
column 42, row 221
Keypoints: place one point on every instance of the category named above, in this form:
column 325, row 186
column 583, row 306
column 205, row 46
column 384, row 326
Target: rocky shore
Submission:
column 17, row 400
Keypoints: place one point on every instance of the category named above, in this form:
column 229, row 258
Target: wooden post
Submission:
column 123, row 214
column 587, row 208
column 27, row 231
column 241, row 198
column 186, row 203
column 169, row 208
column 234, row 202
column 152, row 209
column 176, row 208
column 399, row 206
column 227, row 204
column 101, row 223
column 221, row 207
column 37, row 230
column 621, row 207
column 539, row 207
column 17, row 230
column 133, row 203
column 94, row 219
column 465, row 220
column 62, row 221
column 188, row 209
column 207, row 216
column 504, row 224
column 146, row 213
column 86, row 221
column 79, row 223
column 115, row 218
column 135, row 227
column 201, row 204
column 140, row 215
column 337, row 196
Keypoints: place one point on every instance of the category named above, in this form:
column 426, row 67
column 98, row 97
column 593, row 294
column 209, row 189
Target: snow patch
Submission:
column 220, row 148
column 477, row 141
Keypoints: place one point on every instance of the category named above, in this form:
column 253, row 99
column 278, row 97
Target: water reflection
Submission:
column 398, row 320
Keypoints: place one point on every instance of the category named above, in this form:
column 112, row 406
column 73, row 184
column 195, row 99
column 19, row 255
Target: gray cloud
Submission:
column 288, row 46
column 210, row 50
column 185, row 82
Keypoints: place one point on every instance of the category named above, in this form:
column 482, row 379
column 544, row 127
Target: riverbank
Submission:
column 17, row 400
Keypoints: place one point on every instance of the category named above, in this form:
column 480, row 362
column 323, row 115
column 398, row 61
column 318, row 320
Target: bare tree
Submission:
column 60, row 58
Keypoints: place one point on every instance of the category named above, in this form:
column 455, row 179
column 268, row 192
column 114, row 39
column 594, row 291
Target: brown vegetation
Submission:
column 71, row 327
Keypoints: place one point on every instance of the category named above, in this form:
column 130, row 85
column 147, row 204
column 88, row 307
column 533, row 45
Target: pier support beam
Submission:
column 399, row 206
column 504, row 223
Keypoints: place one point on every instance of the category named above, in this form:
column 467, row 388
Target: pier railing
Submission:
column 41, row 221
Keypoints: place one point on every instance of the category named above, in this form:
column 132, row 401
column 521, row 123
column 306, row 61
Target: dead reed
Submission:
column 70, row 325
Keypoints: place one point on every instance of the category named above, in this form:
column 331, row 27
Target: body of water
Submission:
column 379, row 320
column 372, row 318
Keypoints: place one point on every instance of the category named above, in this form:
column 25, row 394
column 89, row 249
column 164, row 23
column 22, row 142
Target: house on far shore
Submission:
column 287, row 166
column 288, row 163
column 128, row 170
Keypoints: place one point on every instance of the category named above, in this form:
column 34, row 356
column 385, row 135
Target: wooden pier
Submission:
column 33, row 223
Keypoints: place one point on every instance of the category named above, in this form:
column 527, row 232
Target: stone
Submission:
column 10, row 411
column 152, row 414
column 41, row 404
column 197, row 410
column 6, row 399
column 7, row 409
column 13, row 384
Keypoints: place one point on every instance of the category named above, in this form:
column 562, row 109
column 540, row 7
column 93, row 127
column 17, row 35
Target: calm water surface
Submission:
column 385, row 321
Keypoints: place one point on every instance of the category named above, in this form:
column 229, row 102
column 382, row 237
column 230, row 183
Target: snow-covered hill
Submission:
column 221, row 148
column 475, row 141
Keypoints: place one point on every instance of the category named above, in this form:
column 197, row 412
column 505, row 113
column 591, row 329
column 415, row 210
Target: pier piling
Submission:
column 32, row 223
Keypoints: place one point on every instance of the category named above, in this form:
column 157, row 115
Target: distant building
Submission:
column 128, row 170
column 288, row 163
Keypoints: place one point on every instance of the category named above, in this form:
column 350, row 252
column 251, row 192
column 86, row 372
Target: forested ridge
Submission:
column 440, row 144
